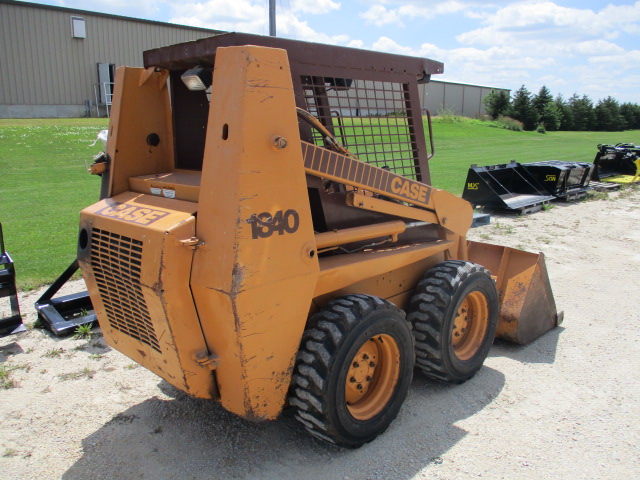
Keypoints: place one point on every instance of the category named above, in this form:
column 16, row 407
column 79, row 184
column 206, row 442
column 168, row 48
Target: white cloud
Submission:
column 315, row 7
column 385, row 44
column 251, row 16
column 622, row 60
column 289, row 25
column 539, row 43
column 139, row 8
column 240, row 15
column 380, row 15
column 591, row 47
column 549, row 22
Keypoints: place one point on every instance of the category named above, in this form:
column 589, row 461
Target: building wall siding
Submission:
column 42, row 64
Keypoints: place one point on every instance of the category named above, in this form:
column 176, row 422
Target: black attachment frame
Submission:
column 13, row 323
column 64, row 314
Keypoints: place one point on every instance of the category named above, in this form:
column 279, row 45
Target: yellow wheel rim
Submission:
column 372, row 377
column 470, row 325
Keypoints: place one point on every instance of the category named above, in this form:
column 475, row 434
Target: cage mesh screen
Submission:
column 373, row 119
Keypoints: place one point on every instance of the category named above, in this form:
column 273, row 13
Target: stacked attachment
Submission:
column 526, row 187
column 12, row 323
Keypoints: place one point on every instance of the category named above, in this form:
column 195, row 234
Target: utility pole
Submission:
column 272, row 18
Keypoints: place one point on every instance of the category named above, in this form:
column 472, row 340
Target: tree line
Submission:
column 543, row 112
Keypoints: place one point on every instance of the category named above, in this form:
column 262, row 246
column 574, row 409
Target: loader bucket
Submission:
column 507, row 187
column 527, row 306
column 566, row 180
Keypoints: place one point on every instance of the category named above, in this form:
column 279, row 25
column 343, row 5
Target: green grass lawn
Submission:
column 45, row 184
column 461, row 144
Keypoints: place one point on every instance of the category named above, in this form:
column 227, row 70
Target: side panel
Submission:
column 137, row 273
column 140, row 108
column 254, row 277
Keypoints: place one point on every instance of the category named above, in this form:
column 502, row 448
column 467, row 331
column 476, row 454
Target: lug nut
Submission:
column 359, row 387
column 356, row 364
column 365, row 357
column 372, row 364
column 369, row 379
column 352, row 379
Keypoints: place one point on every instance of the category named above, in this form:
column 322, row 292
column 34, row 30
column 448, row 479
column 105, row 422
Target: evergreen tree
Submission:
column 548, row 114
column 496, row 103
column 608, row 118
column 566, row 115
column 542, row 99
column 631, row 114
column 522, row 109
column 583, row 115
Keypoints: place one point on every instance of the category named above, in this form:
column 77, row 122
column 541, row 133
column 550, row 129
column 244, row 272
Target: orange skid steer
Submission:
column 268, row 236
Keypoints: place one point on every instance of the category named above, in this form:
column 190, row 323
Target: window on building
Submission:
column 78, row 27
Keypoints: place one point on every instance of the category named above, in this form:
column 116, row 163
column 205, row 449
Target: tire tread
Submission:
column 427, row 314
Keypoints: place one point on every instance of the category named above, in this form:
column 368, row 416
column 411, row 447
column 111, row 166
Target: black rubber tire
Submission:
column 334, row 335
column 433, row 310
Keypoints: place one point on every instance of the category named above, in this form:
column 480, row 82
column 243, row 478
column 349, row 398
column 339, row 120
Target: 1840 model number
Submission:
column 264, row 224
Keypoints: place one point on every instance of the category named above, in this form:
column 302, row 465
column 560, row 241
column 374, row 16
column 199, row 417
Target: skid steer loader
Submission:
column 268, row 236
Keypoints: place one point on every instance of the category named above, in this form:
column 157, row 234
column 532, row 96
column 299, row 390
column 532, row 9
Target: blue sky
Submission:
column 571, row 46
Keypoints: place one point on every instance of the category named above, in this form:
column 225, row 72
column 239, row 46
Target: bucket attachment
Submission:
column 62, row 315
column 527, row 306
column 627, row 178
column 564, row 180
column 618, row 160
column 13, row 323
column 508, row 187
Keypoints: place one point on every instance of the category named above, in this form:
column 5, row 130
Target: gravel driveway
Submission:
column 565, row 406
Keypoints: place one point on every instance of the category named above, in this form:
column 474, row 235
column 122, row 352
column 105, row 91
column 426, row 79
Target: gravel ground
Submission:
column 564, row 406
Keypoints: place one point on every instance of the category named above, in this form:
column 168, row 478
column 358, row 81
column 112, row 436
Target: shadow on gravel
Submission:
column 186, row 438
column 541, row 350
column 9, row 350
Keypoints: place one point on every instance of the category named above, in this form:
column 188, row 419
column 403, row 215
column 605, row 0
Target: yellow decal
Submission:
column 473, row 186
column 551, row 178
column 409, row 189
column 133, row 214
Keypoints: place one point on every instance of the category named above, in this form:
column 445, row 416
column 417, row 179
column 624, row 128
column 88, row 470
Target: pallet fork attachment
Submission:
column 62, row 315
column 13, row 323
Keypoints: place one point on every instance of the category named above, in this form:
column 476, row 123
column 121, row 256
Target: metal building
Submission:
column 52, row 59
column 60, row 62
column 458, row 98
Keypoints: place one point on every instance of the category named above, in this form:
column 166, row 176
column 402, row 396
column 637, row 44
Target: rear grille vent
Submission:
column 116, row 261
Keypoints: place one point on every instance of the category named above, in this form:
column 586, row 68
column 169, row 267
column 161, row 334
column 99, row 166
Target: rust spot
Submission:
column 238, row 275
